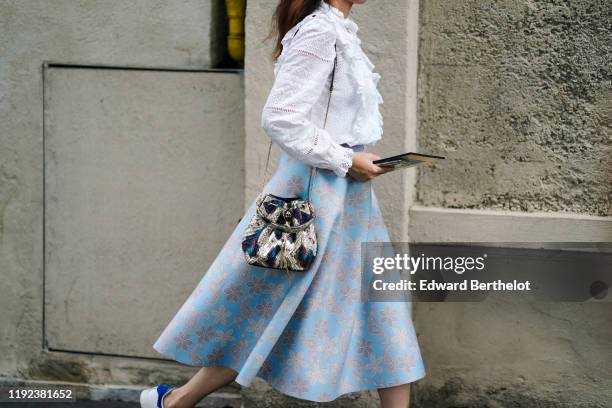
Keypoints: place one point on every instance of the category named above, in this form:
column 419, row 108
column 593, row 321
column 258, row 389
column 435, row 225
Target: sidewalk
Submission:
column 105, row 396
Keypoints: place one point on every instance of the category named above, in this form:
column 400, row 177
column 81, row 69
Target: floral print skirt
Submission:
column 308, row 335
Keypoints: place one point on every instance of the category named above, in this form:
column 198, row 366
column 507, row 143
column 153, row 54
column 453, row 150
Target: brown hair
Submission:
column 287, row 14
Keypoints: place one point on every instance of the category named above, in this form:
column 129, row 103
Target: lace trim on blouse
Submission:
column 368, row 125
column 301, row 75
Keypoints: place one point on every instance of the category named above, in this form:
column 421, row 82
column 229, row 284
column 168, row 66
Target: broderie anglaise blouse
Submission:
column 294, row 112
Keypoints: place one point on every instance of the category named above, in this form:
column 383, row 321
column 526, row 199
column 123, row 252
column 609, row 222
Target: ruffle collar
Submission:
column 339, row 16
column 368, row 125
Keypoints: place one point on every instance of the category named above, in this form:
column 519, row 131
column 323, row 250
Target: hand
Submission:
column 363, row 169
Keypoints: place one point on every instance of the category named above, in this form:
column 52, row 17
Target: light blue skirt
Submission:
column 309, row 336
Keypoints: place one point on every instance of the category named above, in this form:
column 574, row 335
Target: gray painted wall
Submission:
column 102, row 124
column 518, row 95
column 139, row 199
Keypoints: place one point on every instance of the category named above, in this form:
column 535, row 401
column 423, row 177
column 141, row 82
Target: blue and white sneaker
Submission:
column 154, row 397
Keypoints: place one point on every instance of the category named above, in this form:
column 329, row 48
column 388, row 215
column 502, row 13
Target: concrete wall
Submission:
column 517, row 94
column 101, row 124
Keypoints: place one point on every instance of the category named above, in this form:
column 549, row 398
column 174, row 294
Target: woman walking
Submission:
column 307, row 334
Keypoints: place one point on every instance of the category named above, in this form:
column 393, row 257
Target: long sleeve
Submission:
column 301, row 78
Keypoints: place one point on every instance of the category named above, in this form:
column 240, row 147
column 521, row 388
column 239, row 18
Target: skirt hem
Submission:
column 410, row 379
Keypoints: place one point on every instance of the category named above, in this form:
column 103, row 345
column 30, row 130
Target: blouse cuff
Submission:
column 342, row 160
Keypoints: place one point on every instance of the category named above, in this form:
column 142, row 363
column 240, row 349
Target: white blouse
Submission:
column 294, row 112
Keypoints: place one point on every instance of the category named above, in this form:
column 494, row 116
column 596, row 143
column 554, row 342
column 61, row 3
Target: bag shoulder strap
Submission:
column 313, row 169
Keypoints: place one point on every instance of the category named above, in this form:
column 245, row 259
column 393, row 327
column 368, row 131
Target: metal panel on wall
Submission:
column 144, row 182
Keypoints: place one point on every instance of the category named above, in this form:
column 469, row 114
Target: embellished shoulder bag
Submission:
column 281, row 234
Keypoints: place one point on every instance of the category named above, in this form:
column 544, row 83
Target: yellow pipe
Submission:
column 235, row 38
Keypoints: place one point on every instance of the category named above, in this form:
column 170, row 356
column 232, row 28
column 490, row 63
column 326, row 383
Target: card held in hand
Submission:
column 409, row 159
